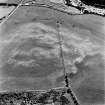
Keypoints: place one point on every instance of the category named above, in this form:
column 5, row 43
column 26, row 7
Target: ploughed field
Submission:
column 29, row 52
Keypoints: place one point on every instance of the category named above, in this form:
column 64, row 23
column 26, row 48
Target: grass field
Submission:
column 30, row 52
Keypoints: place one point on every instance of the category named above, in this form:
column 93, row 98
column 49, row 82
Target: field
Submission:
column 29, row 52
